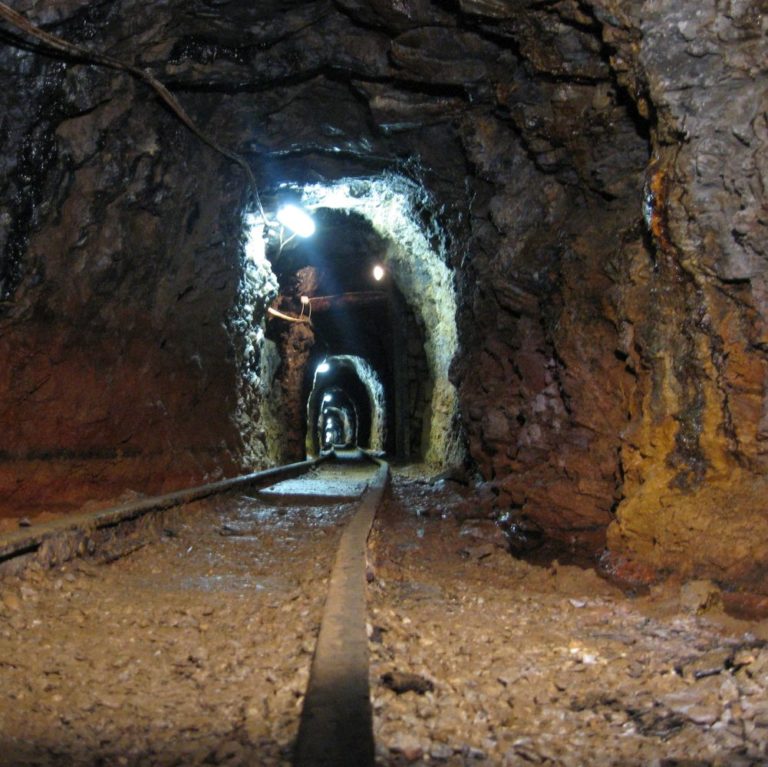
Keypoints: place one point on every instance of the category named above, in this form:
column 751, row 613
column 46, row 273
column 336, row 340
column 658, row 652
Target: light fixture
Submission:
column 323, row 367
column 297, row 220
column 327, row 397
column 378, row 272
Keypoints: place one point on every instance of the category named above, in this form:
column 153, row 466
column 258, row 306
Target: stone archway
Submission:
column 336, row 373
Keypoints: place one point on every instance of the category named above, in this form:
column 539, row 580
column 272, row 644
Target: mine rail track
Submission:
column 336, row 726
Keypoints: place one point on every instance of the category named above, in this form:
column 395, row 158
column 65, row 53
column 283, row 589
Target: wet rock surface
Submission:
column 594, row 172
column 512, row 663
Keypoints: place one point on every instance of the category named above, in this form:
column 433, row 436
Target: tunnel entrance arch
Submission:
column 400, row 211
column 404, row 326
column 347, row 389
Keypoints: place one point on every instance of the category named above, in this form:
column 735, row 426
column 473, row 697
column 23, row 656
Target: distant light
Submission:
column 297, row 220
column 378, row 272
column 255, row 246
column 328, row 397
column 323, row 367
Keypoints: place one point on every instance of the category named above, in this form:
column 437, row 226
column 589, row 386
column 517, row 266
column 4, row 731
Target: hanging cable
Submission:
column 288, row 317
column 306, row 303
column 63, row 46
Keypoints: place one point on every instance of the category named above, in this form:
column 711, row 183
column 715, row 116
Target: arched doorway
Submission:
column 348, row 396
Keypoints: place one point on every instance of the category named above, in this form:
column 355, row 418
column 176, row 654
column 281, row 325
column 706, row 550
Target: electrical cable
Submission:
column 63, row 46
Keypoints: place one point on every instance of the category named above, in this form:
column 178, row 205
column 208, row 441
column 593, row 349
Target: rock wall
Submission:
column 695, row 455
column 419, row 390
column 598, row 178
column 117, row 356
column 295, row 347
column 544, row 381
column 635, row 354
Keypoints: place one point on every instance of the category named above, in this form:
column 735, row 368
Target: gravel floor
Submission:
column 478, row 658
column 195, row 649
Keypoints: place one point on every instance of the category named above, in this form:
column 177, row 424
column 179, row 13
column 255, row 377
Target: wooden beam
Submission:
column 347, row 300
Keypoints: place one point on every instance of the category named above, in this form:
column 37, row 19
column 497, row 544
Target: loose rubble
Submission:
column 549, row 664
column 195, row 649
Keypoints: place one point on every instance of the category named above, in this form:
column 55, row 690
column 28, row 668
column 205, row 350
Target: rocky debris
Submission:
column 551, row 665
column 455, row 473
column 193, row 650
column 400, row 682
column 485, row 530
column 700, row 597
column 455, row 500
column 524, row 535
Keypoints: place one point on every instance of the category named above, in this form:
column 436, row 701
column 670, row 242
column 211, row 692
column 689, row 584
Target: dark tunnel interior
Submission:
column 329, row 279
column 536, row 284
column 339, row 390
column 566, row 201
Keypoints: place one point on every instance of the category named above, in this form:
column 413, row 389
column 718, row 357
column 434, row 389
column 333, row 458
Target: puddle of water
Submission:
column 269, row 584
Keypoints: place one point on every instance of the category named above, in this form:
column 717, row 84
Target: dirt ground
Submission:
column 480, row 658
column 195, row 649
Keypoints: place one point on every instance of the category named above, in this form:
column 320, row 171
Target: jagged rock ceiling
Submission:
column 611, row 371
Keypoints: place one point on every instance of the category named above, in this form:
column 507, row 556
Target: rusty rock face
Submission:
column 597, row 182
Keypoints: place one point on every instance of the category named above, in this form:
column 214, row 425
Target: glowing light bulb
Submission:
column 297, row 220
column 327, row 398
column 323, row 367
column 378, row 272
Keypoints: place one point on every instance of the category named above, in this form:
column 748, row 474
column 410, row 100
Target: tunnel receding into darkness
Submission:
column 566, row 202
column 530, row 273
column 348, row 384
column 401, row 319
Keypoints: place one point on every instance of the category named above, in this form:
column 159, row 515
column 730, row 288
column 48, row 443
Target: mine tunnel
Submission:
column 464, row 297
column 341, row 321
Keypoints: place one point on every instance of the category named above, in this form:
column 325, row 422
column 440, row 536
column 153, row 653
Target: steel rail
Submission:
column 31, row 539
column 336, row 726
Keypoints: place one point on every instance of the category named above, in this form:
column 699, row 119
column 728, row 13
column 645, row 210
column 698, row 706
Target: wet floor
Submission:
column 479, row 658
column 341, row 480
column 195, row 649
